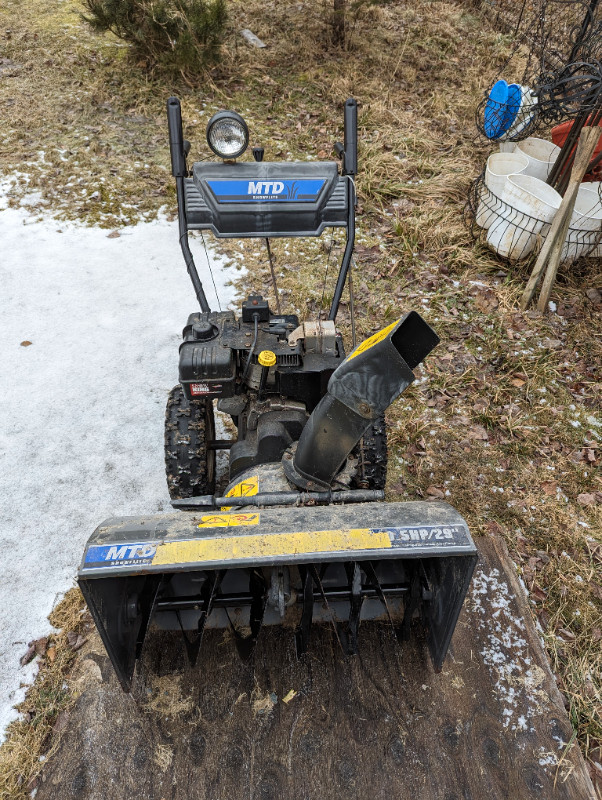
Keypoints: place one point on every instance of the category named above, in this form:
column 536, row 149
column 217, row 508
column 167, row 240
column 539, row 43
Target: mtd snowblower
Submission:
column 302, row 532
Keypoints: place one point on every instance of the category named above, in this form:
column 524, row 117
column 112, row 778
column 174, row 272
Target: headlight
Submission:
column 227, row 134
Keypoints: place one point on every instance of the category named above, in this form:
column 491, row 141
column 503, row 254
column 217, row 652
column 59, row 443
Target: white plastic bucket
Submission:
column 586, row 222
column 528, row 204
column 526, row 112
column 499, row 167
column 541, row 154
column 507, row 147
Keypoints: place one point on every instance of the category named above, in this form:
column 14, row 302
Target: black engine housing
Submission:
column 219, row 359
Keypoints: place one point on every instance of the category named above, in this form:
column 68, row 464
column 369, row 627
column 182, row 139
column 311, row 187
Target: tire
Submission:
column 372, row 455
column 189, row 465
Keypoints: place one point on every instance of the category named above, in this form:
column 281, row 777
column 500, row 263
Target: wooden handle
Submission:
column 587, row 144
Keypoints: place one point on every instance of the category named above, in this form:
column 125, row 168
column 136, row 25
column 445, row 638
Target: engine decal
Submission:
column 300, row 190
column 200, row 389
column 247, row 488
column 372, row 340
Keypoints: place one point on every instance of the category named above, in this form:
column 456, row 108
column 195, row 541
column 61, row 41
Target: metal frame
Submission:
column 179, row 170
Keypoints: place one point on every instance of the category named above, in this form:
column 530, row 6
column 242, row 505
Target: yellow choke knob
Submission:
column 266, row 358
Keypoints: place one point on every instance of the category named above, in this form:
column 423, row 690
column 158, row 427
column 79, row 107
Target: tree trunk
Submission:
column 338, row 22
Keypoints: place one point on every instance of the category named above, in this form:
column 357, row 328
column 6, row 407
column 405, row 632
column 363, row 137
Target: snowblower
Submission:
column 301, row 533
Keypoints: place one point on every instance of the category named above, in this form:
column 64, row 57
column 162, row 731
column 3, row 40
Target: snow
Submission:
column 83, row 405
column 518, row 682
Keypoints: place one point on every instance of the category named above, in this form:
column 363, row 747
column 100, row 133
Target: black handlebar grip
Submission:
column 351, row 137
column 176, row 138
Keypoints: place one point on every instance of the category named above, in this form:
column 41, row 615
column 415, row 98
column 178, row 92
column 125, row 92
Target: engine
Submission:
column 267, row 371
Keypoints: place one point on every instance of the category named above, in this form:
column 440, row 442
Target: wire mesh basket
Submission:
column 509, row 121
column 517, row 235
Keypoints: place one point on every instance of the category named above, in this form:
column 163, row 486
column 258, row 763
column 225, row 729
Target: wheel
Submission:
column 371, row 453
column 189, row 425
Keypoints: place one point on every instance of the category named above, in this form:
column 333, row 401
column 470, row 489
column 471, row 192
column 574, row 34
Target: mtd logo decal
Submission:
column 288, row 191
column 120, row 555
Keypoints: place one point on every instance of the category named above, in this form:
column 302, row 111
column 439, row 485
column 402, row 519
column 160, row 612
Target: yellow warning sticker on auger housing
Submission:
column 372, row 340
column 246, row 488
column 228, row 520
column 235, row 548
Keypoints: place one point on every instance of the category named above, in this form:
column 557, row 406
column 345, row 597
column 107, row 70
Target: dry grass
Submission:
column 504, row 420
column 33, row 738
column 165, row 697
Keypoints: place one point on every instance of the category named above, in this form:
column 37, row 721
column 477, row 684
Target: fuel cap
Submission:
column 266, row 358
column 204, row 331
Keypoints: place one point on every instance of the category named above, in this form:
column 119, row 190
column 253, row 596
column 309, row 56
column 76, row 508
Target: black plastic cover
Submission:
column 266, row 198
column 207, row 368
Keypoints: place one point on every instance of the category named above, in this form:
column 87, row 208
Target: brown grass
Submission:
column 504, row 421
column 44, row 713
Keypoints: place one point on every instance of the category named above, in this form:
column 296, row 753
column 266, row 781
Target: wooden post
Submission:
column 552, row 247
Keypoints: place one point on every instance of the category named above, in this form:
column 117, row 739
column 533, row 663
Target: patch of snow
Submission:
column 517, row 680
column 83, row 405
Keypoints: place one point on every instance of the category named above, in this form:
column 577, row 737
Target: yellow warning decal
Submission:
column 247, row 488
column 235, row 548
column 372, row 340
column 228, row 520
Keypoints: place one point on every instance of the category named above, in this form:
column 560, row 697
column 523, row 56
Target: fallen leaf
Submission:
column 79, row 642
column 517, row 382
column 61, row 722
column 40, row 645
column 568, row 636
column 289, row 696
column 28, row 656
column 538, row 593
column 26, row 343
column 51, row 653
column 435, row 492
column 478, row 432
column 486, row 300
column 596, row 590
column 113, row 235
column 586, row 499
column 594, row 295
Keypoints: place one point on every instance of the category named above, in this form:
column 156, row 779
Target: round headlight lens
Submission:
column 227, row 134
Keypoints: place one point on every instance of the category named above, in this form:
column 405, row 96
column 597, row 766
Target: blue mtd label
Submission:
column 301, row 190
column 120, row 555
